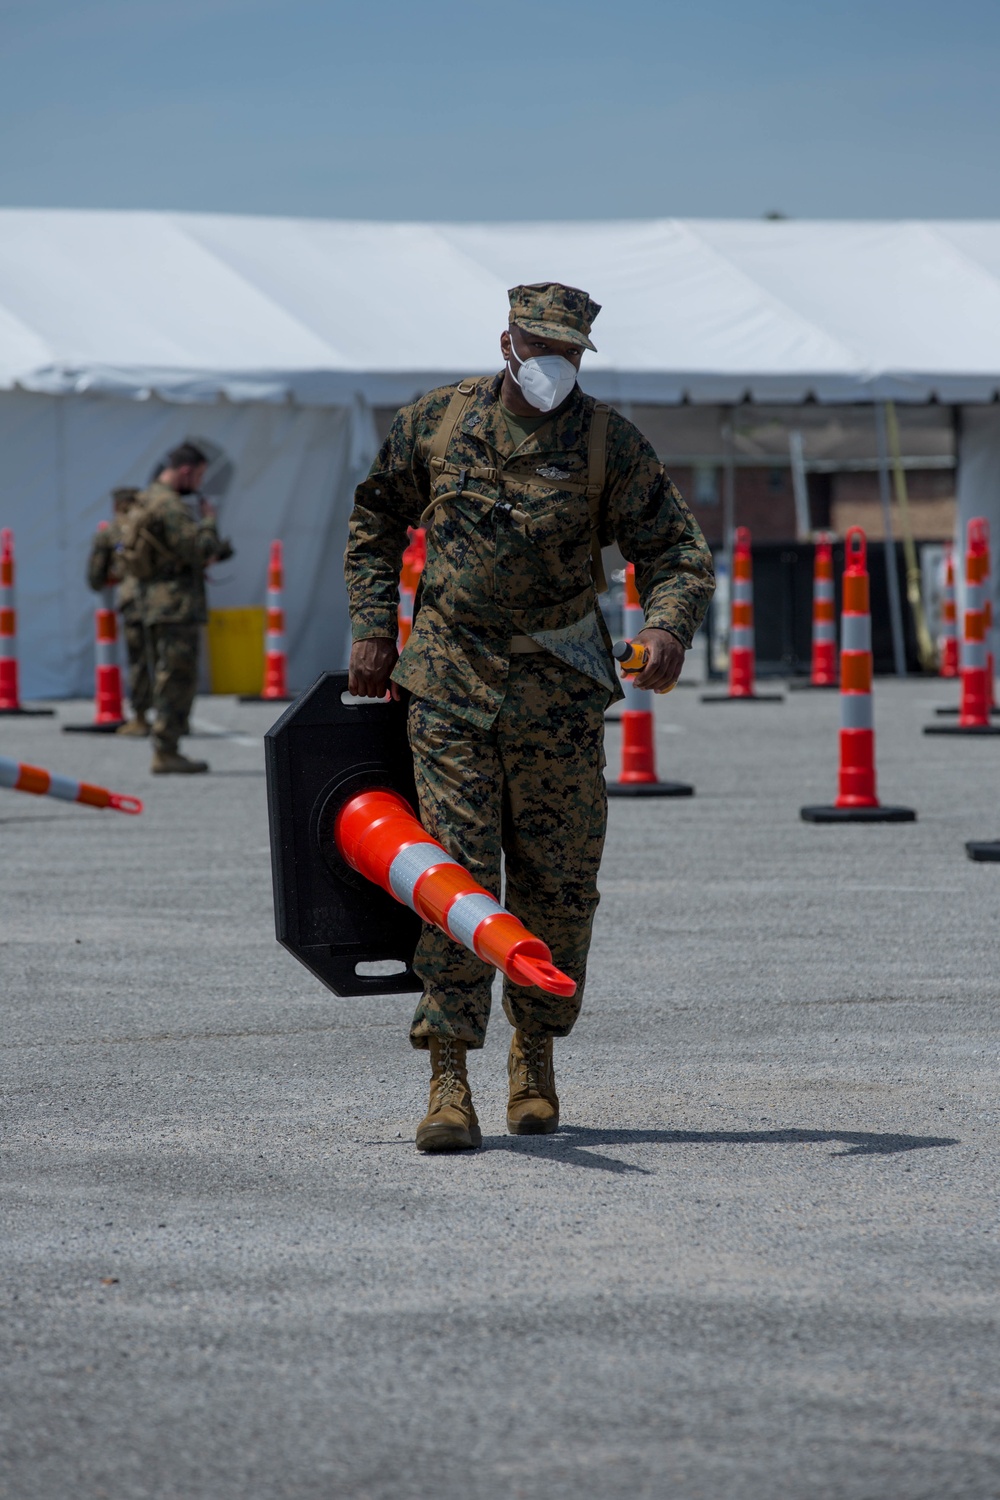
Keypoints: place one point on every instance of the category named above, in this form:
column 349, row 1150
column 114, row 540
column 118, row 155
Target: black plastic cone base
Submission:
column 111, row 727
column 953, row 713
column 649, row 789
column 259, row 698
column 27, row 713
column 858, row 815
column 962, row 729
column 743, row 698
column 984, row 854
column 803, row 685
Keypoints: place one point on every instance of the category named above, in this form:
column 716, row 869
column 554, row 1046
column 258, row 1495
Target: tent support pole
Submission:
column 891, row 571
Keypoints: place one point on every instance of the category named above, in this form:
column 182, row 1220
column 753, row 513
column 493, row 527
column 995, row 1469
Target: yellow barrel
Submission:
column 236, row 649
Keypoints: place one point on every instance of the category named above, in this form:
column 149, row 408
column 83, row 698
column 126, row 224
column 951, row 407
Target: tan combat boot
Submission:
column 450, row 1123
column 136, row 726
column 533, row 1106
column 171, row 762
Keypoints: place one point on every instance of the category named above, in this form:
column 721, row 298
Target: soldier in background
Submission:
column 167, row 546
column 105, row 570
column 520, row 479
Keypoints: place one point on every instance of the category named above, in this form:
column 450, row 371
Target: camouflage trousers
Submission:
column 174, row 654
column 140, row 691
column 532, row 788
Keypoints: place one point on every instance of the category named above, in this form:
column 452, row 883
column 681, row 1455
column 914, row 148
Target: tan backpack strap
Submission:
column 452, row 416
column 597, row 468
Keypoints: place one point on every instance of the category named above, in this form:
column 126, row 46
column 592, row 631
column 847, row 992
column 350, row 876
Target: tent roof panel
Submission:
column 195, row 306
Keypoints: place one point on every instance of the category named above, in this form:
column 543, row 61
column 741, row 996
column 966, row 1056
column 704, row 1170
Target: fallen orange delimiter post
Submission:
column 378, row 836
column 857, row 800
column 22, row 778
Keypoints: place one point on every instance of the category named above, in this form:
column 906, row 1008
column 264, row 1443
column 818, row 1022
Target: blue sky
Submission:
column 498, row 109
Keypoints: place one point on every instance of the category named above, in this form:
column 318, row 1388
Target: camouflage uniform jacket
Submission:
column 507, row 557
column 104, row 570
column 175, row 595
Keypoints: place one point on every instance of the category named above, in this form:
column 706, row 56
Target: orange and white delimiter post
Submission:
column 23, row 778
column 377, row 834
column 638, row 776
column 948, row 642
column 10, row 689
column 824, row 622
column 857, row 798
column 742, row 642
column 976, row 666
column 275, row 649
column 109, row 710
column 414, row 559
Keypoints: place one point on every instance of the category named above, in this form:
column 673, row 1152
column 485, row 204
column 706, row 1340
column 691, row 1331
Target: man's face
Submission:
column 189, row 478
column 530, row 346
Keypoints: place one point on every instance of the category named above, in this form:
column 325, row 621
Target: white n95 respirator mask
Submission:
column 545, row 380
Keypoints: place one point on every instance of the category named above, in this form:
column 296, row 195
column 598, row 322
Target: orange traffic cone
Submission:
column 976, row 703
column 109, row 710
column 742, row 651
column 823, row 669
column 10, row 693
column 378, row 836
column 275, row 689
column 414, row 559
column 638, row 773
column 21, row 778
column 857, row 800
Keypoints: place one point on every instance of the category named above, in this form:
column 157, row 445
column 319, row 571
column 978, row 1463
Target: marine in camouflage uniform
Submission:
column 509, row 668
column 104, row 570
column 173, row 601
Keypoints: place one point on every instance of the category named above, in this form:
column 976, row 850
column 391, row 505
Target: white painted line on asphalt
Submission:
column 219, row 732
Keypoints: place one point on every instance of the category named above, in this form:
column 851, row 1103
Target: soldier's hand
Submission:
column 666, row 659
column 371, row 663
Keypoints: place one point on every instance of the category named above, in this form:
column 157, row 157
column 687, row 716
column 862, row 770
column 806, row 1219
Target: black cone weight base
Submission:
column 858, row 815
column 962, row 729
column 984, row 853
column 742, row 698
column 259, row 698
column 27, row 713
column 110, row 728
column 649, row 789
column 813, row 687
column 320, row 753
column 953, row 713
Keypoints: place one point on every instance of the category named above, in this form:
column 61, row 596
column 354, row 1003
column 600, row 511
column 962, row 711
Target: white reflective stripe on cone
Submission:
column 274, row 598
column 276, row 643
column 741, row 638
column 823, row 590
column 9, row 771
column 62, row 786
column 465, row 914
column 7, row 645
column 975, row 597
column 856, row 711
column 106, row 653
column 634, row 621
column 973, row 653
column 7, row 596
column 824, row 630
column 855, row 632
column 742, row 591
column 636, row 699
column 412, row 862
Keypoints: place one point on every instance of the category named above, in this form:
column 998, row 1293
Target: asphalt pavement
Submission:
column 759, row 1260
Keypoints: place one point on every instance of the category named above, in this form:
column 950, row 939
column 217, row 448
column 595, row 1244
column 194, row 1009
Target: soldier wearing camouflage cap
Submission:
column 520, row 479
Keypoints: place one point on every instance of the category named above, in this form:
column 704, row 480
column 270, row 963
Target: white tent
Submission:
column 122, row 333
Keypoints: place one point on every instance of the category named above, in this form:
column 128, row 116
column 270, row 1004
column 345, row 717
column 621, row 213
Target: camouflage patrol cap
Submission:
column 123, row 497
column 554, row 311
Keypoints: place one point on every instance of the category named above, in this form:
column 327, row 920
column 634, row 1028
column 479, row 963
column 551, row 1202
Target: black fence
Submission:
column 782, row 594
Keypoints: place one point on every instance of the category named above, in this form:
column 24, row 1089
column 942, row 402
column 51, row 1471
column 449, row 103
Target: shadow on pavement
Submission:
column 573, row 1142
